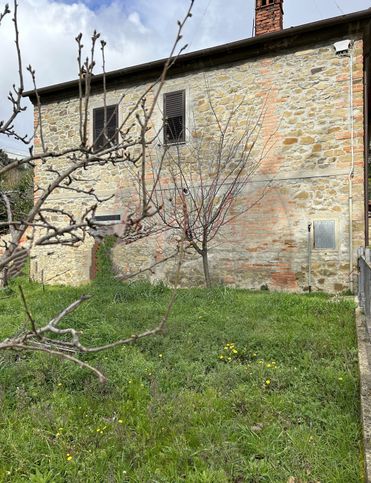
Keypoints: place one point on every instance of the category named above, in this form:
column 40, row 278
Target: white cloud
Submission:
column 136, row 31
column 48, row 30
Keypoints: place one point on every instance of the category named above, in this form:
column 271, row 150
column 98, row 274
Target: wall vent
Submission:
column 106, row 219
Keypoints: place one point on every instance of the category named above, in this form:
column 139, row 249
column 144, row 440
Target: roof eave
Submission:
column 247, row 47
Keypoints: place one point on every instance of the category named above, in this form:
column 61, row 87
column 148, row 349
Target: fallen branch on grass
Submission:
column 37, row 339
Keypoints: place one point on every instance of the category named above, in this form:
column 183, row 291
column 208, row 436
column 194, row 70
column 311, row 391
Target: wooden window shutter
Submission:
column 102, row 139
column 174, row 117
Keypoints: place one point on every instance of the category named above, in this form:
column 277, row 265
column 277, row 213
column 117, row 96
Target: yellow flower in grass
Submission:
column 69, row 457
column 268, row 382
column 120, row 421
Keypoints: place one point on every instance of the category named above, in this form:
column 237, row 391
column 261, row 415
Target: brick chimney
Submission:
column 268, row 16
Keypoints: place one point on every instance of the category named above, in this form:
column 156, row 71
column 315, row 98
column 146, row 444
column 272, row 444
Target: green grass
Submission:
column 173, row 410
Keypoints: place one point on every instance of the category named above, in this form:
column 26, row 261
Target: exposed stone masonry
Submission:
column 304, row 95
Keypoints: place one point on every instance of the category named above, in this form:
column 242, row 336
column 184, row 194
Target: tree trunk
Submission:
column 205, row 262
column 3, row 278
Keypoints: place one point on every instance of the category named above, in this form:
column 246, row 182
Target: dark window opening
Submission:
column 106, row 218
column 174, row 117
column 105, row 127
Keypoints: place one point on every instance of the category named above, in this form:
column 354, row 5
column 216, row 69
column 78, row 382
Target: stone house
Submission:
column 306, row 229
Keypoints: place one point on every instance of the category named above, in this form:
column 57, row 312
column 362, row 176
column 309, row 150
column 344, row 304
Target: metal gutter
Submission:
column 226, row 53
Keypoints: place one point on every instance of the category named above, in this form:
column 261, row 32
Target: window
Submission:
column 174, row 117
column 324, row 235
column 102, row 139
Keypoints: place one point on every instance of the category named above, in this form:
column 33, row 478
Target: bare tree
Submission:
column 127, row 145
column 208, row 174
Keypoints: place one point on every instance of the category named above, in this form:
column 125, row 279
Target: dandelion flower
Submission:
column 269, row 365
column 340, row 378
column 59, row 384
column 160, row 355
column 69, row 458
column 267, row 382
column 120, row 421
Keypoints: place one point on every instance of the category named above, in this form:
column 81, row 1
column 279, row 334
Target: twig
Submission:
column 28, row 313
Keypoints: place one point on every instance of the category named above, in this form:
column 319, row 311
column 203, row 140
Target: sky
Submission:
column 136, row 31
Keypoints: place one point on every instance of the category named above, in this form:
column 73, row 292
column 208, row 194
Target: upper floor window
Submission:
column 174, row 117
column 105, row 127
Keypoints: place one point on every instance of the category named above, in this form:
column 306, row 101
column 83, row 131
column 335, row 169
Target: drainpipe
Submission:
column 351, row 172
column 309, row 258
column 344, row 49
column 367, row 46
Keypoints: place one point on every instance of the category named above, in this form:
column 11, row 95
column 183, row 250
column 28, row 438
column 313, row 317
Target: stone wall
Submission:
column 304, row 172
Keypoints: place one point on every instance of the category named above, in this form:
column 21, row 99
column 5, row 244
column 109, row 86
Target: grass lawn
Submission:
column 284, row 405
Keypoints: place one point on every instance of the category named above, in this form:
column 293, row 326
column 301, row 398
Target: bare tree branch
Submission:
column 46, row 223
